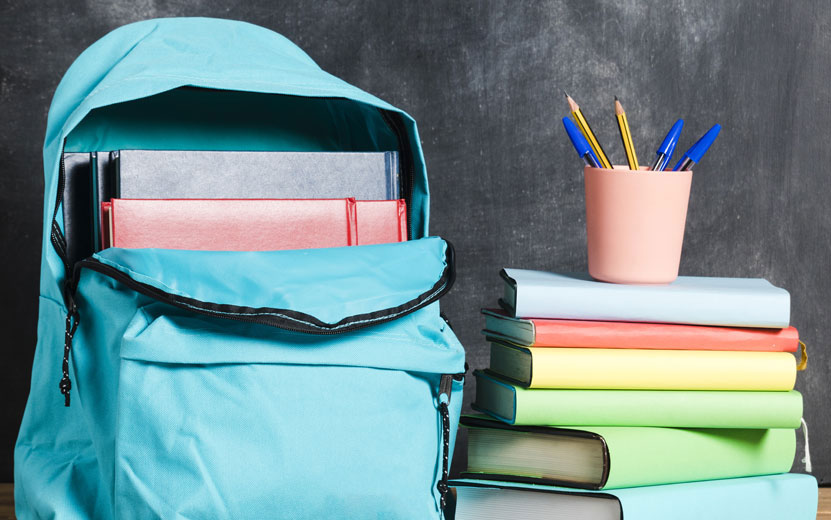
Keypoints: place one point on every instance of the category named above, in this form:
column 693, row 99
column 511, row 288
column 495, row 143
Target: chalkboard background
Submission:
column 485, row 80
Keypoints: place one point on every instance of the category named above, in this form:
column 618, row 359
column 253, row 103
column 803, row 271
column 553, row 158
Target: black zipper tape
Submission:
column 57, row 238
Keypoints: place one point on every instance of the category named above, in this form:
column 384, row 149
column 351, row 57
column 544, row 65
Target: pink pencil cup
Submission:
column 635, row 224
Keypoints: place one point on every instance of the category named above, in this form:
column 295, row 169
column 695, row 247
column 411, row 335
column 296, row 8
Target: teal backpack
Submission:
column 195, row 384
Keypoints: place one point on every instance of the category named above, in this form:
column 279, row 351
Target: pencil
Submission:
column 587, row 132
column 626, row 135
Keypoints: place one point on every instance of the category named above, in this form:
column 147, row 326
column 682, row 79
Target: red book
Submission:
column 620, row 334
column 381, row 221
column 230, row 224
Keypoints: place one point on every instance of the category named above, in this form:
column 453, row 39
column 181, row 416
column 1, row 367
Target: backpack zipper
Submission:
column 285, row 319
column 57, row 238
column 280, row 318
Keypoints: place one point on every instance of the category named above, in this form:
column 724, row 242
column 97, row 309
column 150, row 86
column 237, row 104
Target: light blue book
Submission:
column 789, row 496
column 728, row 302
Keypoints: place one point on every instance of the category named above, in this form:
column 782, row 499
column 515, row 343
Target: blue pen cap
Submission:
column 697, row 151
column 580, row 144
column 669, row 142
column 702, row 145
column 700, row 148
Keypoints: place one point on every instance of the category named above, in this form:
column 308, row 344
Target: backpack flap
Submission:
column 317, row 291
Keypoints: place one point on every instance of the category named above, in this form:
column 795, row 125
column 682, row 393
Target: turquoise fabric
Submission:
column 203, row 417
column 180, row 415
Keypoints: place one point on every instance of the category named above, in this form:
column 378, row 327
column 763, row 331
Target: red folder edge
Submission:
column 382, row 221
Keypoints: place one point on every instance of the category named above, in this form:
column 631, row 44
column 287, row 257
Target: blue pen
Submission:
column 664, row 152
column 584, row 150
column 697, row 151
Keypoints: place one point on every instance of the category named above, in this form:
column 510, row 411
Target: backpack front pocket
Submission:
column 236, row 420
column 209, row 417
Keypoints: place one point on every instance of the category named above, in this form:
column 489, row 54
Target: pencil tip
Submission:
column 616, row 99
column 572, row 104
column 566, row 93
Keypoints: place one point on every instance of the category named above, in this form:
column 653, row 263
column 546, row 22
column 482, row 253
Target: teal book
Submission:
column 692, row 300
column 773, row 497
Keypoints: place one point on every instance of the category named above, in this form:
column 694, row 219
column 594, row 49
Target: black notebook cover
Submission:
column 77, row 206
column 103, row 189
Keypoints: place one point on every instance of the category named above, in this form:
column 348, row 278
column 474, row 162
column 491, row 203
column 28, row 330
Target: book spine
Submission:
column 390, row 162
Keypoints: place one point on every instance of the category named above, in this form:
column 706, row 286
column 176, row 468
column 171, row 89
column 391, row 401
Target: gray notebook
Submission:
column 186, row 174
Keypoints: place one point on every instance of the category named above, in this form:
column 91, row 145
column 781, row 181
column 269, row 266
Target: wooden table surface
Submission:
column 824, row 509
column 7, row 503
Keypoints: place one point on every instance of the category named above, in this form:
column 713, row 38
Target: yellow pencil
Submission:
column 626, row 135
column 587, row 132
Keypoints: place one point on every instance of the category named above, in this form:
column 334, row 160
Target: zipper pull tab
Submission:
column 72, row 321
column 445, row 389
column 445, row 386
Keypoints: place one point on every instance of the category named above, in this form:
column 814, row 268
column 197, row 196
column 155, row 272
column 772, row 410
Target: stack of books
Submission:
column 663, row 401
column 230, row 200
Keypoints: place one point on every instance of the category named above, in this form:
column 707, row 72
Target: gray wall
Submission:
column 485, row 80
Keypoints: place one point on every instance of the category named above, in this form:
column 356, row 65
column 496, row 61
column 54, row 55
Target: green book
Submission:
column 672, row 408
column 618, row 457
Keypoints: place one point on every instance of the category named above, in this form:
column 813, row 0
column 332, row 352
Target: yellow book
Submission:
column 641, row 369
